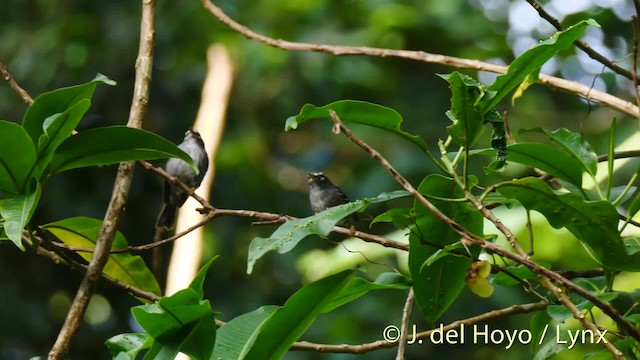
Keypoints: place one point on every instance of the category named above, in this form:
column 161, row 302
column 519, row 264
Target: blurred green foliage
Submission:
column 49, row 44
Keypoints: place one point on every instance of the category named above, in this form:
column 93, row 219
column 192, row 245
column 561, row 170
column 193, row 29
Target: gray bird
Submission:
column 174, row 196
column 324, row 194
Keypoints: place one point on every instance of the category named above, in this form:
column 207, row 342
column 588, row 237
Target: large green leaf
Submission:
column 593, row 222
column 359, row 112
column 112, row 145
column 289, row 234
column 83, row 232
column 235, row 338
column 437, row 285
column 56, row 102
column 16, row 211
column 530, row 62
column 17, row 157
column 290, row 321
column 547, row 158
column 468, row 121
column 182, row 322
column 574, row 144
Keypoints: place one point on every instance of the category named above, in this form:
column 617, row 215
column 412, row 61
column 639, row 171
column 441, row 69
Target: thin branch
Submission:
column 566, row 85
column 404, row 329
column 24, row 95
column 583, row 45
column 564, row 299
column 636, row 25
column 120, row 191
column 540, row 271
column 57, row 259
column 381, row 344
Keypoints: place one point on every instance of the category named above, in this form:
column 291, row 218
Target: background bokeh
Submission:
column 54, row 43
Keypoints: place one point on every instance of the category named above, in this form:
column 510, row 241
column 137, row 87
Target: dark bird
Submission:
column 324, row 194
column 174, row 196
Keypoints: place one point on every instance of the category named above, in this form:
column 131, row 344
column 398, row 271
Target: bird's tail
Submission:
column 167, row 216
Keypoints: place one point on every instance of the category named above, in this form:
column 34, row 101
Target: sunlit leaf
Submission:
column 83, row 232
column 289, row 234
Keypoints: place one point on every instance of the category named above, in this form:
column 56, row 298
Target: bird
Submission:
column 324, row 194
column 174, row 197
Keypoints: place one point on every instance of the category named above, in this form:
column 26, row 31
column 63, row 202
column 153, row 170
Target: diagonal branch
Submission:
column 120, row 191
column 24, row 95
column 583, row 45
column 566, row 85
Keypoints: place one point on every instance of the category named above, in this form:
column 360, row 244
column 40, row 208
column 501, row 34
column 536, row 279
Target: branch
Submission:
column 24, row 95
column 381, row 344
column 558, row 292
column 583, row 45
column 566, row 85
column 623, row 323
column 120, row 190
column 404, row 329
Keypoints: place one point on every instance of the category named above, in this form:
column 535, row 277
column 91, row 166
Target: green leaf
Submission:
column 574, row 144
column 171, row 313
column 17, row 157
column 530, row 62
column 359, row 112
column 436, row 286
column 112, row 145
column 127, row 346
column 547, row 158
column 440, row 253
column 181, row 322
column 594, row 223
column 198, row 281
column 289, row 234
column 58, row 128
column 358, row 287
column 235, row 338
column 631, row 245
column 290, row 321
column 400, row 217
column 83, row 232
column 55, row 102
column 17, row 211
column 468, row 121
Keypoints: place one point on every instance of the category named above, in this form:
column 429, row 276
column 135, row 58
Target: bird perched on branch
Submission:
column 324, row 194
column 174, row 196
